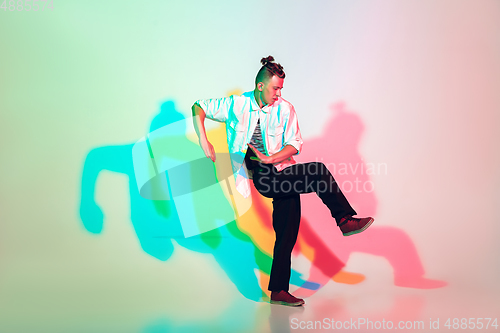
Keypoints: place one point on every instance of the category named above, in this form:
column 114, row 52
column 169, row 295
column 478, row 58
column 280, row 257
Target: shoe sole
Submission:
column 286, row 303
column 360, row 230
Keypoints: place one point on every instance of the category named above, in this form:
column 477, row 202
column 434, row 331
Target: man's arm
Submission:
column 199, row 126
column 280, row 156
column 217, row 109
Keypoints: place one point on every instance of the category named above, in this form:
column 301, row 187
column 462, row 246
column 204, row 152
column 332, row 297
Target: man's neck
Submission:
column 256, row 94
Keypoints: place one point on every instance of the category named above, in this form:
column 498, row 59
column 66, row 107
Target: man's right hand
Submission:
column 208, row 149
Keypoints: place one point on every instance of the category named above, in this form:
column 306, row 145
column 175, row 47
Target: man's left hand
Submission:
column 259, row 157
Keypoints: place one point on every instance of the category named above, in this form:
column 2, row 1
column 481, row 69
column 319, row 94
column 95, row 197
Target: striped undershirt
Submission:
column 256, row 139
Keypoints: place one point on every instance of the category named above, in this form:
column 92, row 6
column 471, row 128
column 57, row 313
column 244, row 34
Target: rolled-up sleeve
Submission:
column 292, row 134
column 216, row 109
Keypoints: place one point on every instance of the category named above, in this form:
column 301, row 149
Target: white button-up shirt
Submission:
column 278, row 123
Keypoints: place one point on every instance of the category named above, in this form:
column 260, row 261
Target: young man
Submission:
column 267, row 124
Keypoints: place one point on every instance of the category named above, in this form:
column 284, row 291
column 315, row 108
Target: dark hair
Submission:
column 269, row 69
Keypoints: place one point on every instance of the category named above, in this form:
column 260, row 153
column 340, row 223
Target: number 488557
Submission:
column 27, row 5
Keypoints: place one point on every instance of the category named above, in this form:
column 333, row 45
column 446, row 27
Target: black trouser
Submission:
column 285, row 188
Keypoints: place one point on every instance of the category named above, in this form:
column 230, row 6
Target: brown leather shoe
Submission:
column 285, row 298
column 351, row 225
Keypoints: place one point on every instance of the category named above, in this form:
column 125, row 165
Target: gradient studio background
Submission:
column 416, row 82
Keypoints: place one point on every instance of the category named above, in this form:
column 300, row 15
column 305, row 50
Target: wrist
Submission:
column 202, row 138
column 271, row 159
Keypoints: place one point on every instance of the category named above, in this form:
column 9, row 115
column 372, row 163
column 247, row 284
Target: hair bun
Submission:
column 265, row 61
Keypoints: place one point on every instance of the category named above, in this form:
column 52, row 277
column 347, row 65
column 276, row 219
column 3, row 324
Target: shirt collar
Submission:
column 255, row 106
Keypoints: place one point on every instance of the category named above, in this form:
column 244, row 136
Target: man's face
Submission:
column 271, row 90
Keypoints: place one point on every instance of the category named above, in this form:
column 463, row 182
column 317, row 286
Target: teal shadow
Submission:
column 156, row 222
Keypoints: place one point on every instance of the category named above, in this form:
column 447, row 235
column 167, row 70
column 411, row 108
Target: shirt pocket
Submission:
column 275, row 137
column 236, row 126
column 235, row 135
